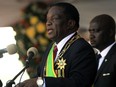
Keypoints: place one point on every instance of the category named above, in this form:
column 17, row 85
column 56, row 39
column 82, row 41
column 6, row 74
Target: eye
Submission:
column 97, row 30
column 55, row 18
column 94, row 30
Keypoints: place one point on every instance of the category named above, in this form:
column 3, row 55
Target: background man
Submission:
column 102, row 37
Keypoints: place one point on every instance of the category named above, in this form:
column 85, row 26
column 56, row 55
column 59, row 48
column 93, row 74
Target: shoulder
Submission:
column 113, row 49
column 82, row 43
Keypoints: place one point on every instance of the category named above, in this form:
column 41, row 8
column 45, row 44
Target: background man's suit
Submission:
column 107, row 71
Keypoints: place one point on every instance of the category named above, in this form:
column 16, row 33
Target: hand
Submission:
column 28, row 83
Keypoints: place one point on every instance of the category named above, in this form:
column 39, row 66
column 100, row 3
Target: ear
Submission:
column 71, row 24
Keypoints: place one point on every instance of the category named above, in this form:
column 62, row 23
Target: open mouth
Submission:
column 49, row 31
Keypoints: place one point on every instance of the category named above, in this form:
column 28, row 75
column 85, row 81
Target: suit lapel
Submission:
column 102, row 67
column 105, row 61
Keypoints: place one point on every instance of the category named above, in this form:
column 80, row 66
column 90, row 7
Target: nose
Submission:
column 91, row 35
column 48, row 23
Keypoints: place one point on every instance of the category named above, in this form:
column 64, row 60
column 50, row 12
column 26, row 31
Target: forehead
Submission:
column 55, row 10
column 94, row 25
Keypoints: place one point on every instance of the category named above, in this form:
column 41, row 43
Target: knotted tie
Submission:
column 97, row 58
column 55, row 52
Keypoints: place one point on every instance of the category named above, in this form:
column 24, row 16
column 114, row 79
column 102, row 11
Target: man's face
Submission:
column 98, row 36
column 56, row 23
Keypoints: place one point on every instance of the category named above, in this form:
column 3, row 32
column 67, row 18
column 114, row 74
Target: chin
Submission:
column 93, row 45
column 50, row 36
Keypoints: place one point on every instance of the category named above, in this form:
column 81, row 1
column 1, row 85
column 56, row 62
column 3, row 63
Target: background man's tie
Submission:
column 97, row 58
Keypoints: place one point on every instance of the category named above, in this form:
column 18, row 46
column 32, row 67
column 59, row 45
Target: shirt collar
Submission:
column 106, row 50
column 63, row 41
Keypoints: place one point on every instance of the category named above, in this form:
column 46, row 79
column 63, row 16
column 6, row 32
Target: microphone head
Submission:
column 33, row 50
column 11, row 49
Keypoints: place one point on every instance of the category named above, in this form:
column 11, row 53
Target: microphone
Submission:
column 11, row 49
column 32, row 52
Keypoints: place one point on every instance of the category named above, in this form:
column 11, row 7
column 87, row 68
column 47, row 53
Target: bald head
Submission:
column 105, row 22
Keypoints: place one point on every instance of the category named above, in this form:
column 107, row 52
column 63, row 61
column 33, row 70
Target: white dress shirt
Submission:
column 62, row 43
column 104, row 53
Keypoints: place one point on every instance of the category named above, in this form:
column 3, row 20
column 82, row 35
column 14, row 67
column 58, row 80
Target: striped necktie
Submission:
column 55, row 51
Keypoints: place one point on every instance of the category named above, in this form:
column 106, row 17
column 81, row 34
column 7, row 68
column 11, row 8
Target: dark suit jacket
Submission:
column 106, row 75
column 81, row 67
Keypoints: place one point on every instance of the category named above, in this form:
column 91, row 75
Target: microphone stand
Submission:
column 11, row 82
column 1, row 55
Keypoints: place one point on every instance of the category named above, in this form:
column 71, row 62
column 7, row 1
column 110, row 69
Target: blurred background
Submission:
column 22, row 22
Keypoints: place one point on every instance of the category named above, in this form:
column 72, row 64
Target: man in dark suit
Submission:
column 102, row 37
column 75, row 62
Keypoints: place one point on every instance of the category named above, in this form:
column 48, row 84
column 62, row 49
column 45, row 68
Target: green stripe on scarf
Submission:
column 50, row 64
